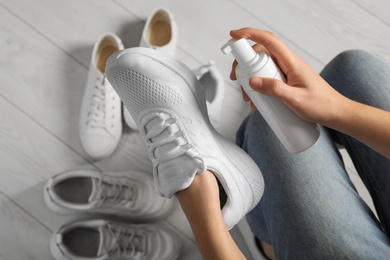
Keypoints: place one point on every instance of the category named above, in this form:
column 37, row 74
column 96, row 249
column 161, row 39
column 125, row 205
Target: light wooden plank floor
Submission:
column 45, row 52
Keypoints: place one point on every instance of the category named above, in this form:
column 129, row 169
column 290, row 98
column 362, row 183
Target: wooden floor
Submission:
column 45, row 50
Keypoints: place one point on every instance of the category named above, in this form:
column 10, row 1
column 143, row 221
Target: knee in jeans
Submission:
column 349, row 59
column 354, row 54
column 361, row 76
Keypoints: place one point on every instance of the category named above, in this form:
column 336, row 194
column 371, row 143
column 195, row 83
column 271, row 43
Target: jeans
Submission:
column 310, row 208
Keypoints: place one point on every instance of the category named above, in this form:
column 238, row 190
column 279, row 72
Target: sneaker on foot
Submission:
column 129, row 194
column 100, row 117
column 213, row 85
column 168, row 105
column 103, row 239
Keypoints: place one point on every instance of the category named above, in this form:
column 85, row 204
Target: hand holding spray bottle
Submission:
column 295, row 133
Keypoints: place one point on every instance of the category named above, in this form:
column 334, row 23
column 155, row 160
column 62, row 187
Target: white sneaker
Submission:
column 100, row 118
column 103, row 239
column 160, row 33
column 129, row 194
column 213, row 85
column 168, row 105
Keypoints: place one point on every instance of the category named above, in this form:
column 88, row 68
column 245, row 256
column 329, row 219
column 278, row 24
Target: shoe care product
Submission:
column 295, row 133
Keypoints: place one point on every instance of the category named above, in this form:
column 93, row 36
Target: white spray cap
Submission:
column 241, row 50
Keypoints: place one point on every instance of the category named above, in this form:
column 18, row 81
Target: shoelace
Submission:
column 127, row 242
column 118, row 192
column 97, row 109
column 175, row 136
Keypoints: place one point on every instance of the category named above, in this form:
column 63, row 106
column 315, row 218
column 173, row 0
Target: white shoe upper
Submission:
column 168, row 105
column 100, row 122
column 129, row 194
column 103, row 239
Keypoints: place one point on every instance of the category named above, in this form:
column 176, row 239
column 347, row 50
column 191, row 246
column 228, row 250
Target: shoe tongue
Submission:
column 175, row 174
column 107, row 240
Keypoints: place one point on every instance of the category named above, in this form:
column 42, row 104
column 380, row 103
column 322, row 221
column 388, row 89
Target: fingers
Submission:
column 279, row 52
column 286, row 59
column 233, row 72
column 272, row 87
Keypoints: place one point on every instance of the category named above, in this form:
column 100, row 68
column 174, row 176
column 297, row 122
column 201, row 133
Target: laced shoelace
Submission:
column 128, row 242
column 175, row 136
column 118, row 192
column 97, row 109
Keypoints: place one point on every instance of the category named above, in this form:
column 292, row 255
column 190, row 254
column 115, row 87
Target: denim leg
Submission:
column 310, row 209
column 365, row 78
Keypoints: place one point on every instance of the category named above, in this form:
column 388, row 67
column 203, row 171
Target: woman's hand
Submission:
column 305, row 92
column 311, row 98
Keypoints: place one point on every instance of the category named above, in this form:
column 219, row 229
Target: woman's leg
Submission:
column 365, row 78
column 310, row 209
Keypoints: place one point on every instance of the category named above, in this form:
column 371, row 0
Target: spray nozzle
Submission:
column 241, row 50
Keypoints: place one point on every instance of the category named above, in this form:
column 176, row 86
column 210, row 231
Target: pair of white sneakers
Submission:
column 100, row 122
column 130, row 195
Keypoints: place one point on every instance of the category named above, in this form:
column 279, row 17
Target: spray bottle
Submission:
column 294, row 133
